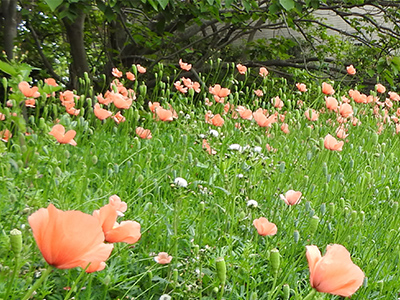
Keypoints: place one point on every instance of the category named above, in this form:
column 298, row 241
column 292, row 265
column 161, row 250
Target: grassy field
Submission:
column 349, row 197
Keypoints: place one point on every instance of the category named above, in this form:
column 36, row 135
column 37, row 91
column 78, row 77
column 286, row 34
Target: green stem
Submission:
column 11, row 282
column 311, row 295
column 38, row 283
column 273, row 286
column 73, row 287
column 221, row 292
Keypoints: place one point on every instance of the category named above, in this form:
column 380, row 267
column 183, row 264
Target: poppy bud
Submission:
column 107, row 280
column 4, row 83
column 140, row 178
column 275, row 260
column 296, row 236
column 55, row 110
column 395, row 207
column 190, row 157
column 286, row 291
column 66, row 154
column 309, row 155
column 253, row 296
column 321, row 143
column 258, row 139
column 388, row 194
column 323, row 208
column 202, row 205
column 94, row 159
column 215, row 290
column 331, row 208
column 308, row 131
column 58, row 171
column 140, row 192
column 308, row 206
column 325, row 168
column 221, row 269
column 175, row 275
column 16, row 241
column 13, row 198
column 353, row 216
column 282, row 167
column 374, row 138
column 143, row 89
column 314, row 224
column 42, row 124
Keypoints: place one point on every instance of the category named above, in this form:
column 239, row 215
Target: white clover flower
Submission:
column 179, row 181
column 235, row 147
column 252, row 203
column 165, row 297
column 214, row 133
column 257, row 149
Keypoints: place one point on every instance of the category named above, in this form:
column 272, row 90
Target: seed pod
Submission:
column 16, row 241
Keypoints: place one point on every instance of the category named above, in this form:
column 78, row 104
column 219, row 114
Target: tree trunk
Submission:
column 9, row 9
column 75, row 33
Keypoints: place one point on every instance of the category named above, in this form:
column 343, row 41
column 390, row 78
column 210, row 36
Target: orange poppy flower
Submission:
column 130, row 76
column 101, row 113
column 58, row 131
column 259, row 93
column 67, row 99
column 184, row 66
column 73, row 111
column 263, row 72
column 69, row 239
column 164, row 114
column 301, row 87
column 291, row 197
column 341, row 133
column 331, row 143
column 264, row 227
column 30, row 103
column 345, row 110
column 50, row 81
column 242, row 69
column 117, row 73
column 262, row 120
column 141, row 69
column 126, row 231
column 394, row 96
column 120, row 101
column 327, row 89
column 351, row 70
column 2, row 117
column 245, row 114
column 163, row 258
column 28, row 92
column 219, row 93
column 277, row 102
column 217, row 120
column 333, row 273
column 311, row 114
column 285, row 128
column 153, row 106
column 380, row 88
column 180, row 87
column 208, row 148
column 5, row 135
column 119, row 118
column 143, row 133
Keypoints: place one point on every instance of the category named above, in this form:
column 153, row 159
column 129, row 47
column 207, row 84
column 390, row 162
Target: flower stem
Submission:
column 73, row 287
column 311, row 295
column 38, row 282
column 11, row 282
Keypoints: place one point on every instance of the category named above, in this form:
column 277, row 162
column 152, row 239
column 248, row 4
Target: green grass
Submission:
column 353, row 192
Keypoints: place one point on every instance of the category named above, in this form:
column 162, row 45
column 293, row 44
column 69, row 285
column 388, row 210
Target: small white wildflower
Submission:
column 240, row 175
column 214, row 133
column 202, row 136
column 179, row 181
column 257, row 149
column 165, row 297
column 187, row 116
column 23, row 226
column 252, row 203
column 235, row 147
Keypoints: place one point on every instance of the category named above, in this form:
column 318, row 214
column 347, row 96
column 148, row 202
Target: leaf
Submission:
column 163, row 3
column 287, row 4
column 7, row 68
column 53, row 4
